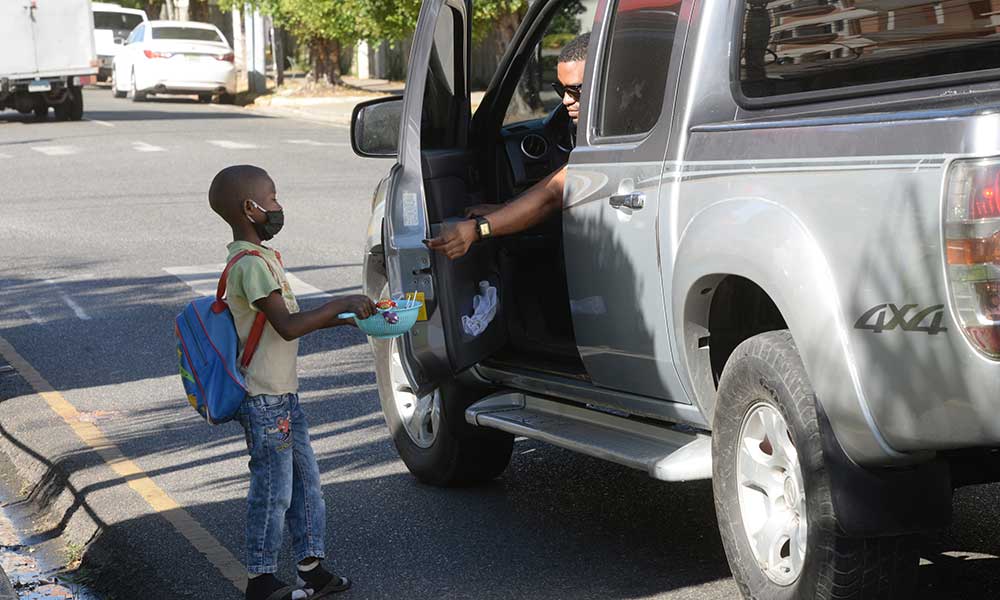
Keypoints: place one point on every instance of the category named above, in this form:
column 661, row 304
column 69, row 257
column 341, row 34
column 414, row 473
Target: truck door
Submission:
column 610, row 225
column 16, row 29
column 434, row 179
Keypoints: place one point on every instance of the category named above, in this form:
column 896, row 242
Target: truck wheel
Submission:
column 431, row 435
column 41, row 112
column 75, row 103
column 772, row 492
column 204, row 98
column 227, row 98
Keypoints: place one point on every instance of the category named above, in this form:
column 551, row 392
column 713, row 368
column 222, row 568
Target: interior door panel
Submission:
column 450, row 187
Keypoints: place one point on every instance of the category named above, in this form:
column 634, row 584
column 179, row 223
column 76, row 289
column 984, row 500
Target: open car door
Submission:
column 433, row 181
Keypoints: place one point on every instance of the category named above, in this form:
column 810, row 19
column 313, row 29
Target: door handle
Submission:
column 633, row 200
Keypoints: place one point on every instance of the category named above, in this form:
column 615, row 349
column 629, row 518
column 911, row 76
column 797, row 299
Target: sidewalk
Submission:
column 333, row 108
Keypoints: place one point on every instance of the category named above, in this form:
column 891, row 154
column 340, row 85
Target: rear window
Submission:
column 803, row 46
column 116, row 21
column 186, row 33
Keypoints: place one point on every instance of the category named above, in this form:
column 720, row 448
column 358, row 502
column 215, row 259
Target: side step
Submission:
column 662, row 452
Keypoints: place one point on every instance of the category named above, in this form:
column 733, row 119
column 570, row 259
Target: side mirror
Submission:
column 375, row 127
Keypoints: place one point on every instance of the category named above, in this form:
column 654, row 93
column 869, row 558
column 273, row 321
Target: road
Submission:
column 107, row 233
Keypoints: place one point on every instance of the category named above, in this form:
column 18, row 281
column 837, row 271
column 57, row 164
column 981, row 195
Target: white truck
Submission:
column 46, row 56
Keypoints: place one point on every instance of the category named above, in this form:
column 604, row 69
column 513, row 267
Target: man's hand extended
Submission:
column 541, row 201
column 454, row 239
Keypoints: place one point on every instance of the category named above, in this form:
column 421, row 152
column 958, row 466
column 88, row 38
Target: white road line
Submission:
column 315, row 143
column 204, row 279
column 231, row 145
column 144, row 147
column 55, row 150
column 76, row 308
column 31, row 314
column 101, row 123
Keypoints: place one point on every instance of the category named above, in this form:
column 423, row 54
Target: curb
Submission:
column 6, row 588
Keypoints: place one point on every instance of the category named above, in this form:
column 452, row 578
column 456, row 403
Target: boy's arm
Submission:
column 291, row 326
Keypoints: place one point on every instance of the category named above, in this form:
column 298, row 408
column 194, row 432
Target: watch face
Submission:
column 484, row 229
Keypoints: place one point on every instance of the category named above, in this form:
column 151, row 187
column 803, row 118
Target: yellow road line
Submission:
column 157, row 499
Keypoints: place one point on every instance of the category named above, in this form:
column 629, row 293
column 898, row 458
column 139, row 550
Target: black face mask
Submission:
column 271, row 226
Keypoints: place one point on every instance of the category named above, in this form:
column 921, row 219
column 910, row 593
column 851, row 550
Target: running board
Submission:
column 662, row 452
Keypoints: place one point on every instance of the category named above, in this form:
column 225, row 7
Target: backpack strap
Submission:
column 257, row 330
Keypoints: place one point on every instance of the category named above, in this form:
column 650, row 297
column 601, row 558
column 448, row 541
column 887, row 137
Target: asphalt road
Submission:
column 104, row 224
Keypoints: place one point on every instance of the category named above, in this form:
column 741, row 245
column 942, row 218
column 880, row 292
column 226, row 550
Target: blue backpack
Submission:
column 208, row 345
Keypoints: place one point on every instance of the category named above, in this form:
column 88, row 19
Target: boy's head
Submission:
column 245, row 197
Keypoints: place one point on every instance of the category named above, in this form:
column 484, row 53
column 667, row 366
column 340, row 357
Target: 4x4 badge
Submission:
column 875, row 318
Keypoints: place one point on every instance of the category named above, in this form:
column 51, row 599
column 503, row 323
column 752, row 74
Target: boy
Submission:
column 284, row 476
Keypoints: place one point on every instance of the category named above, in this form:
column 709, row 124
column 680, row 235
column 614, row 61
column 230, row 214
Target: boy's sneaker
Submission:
column 320, row 583
column 269, row 587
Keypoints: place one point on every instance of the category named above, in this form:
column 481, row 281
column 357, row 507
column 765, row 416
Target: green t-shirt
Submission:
column 272, row 370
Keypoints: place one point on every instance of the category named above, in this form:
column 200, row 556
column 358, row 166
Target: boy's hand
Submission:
column 360, row 305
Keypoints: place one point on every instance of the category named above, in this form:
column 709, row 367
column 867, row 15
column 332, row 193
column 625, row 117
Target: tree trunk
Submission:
column 278, row 53
column 326, row 61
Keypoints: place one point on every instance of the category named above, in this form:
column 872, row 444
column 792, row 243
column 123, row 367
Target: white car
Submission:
column 112, row 24
column 175, row 57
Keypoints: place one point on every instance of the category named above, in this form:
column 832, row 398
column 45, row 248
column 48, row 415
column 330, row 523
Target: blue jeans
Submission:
column 284, row 482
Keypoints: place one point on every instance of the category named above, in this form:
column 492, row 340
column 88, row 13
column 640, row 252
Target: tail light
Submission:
column 228, row 57
column 972, row 250
column 153, row 54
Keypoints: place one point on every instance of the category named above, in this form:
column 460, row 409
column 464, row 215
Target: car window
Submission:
column 794, row 47
column 635, row 66
column 535, row 97
column 116, row 21
column 136, row 34
column 194, row 34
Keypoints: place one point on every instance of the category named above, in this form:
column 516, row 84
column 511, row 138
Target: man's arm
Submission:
column 291, row 326
column 527, row 210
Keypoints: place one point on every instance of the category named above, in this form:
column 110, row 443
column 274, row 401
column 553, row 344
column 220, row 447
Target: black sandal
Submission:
column 335, row 585
column 284, row 593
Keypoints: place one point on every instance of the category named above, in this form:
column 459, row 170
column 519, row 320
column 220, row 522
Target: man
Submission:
column 543, row 199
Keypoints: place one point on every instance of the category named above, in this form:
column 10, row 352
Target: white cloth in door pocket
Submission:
column 484, row 308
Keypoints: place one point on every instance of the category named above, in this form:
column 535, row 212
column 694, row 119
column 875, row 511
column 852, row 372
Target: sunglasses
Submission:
column 574, row 91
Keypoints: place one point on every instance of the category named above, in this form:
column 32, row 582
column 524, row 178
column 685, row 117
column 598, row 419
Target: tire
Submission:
column 460, row 454
column 41, row 112
column 76, row 103
column 227, row 98
column 204, row 98
column 114, row 86
column 765, row 382
column 134, row 94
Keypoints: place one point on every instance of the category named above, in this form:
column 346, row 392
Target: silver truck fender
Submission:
column 761, row 241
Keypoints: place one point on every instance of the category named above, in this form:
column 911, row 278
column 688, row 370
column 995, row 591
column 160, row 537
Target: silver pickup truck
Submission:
column 777, row 266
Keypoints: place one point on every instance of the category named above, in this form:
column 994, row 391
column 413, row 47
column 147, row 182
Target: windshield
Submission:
column 186, row 33
column 120, row 23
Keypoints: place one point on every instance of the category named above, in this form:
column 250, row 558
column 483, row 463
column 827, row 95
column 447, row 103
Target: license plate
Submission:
column 39, row 86
column 193, row 56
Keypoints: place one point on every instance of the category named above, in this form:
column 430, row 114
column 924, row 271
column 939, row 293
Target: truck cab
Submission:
column 775, row 267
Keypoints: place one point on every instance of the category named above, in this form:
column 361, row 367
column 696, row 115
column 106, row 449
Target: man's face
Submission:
column 570, row 74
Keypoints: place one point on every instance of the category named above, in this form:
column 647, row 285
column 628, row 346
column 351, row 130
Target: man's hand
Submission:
column 454, row 239
column 359, row 304
column 481, row 210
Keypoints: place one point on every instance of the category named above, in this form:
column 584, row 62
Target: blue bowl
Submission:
column 377, row 327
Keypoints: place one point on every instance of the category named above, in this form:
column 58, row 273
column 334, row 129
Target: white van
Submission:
column 112, row 24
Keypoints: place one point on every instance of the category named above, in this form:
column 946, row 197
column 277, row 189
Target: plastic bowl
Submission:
column 377, row 327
